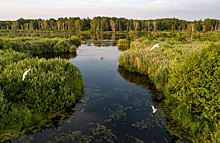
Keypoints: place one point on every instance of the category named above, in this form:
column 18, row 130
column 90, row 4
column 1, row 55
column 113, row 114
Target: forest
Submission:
column 111, row 24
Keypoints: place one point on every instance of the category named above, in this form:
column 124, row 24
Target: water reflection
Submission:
column 140, row 80
column 174, row 128
column 51, row 121
column 115, row 107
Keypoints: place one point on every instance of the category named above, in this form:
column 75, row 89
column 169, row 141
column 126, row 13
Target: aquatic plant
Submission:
column 188, row 74
column 123, row 43
column 39, row 46
column 50, row 85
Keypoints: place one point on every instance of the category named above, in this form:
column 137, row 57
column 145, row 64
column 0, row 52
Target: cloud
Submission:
column 139, row 9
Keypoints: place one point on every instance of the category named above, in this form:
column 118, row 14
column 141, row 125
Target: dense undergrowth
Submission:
column 51, row 85
column 188, row 74
column 40, row 45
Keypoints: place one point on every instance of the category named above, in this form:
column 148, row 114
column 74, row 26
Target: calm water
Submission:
column 115, row 107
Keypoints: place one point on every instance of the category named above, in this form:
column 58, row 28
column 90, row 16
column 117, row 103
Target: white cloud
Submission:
column 139, row 9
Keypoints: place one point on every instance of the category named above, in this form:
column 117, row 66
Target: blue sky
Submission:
column 131, row 9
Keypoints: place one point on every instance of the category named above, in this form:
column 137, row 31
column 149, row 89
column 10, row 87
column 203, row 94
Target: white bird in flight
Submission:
column 154, row 47
column 154, row 110
column 25, row 73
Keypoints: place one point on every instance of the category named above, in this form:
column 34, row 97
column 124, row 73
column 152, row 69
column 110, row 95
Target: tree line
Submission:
column 111, row 24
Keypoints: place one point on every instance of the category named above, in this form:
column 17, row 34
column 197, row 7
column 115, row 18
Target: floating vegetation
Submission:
column 24, row 139
column 91, row 85
column 97, row 133
column 116, row 112
column 151, row 122
column 136, row 139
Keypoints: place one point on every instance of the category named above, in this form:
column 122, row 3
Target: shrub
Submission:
column 75, row 41
column 50, row 85
column 72, row 49
column 194, row 87
column 163, row 35
column 39, row 46
column 123, row 43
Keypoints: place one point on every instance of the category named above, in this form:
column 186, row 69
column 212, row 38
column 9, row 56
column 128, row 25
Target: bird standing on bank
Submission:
column 154, row 110
column 25, row 73
column 154, row 47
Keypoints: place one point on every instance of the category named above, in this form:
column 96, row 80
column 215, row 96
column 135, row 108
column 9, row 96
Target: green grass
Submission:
column 40, row 45
column 51, row 85
column 188, row 74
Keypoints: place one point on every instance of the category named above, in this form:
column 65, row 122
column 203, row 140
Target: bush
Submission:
column 72, row 49
column 9, row 56
column 193, row 86
column 163, row 35
column 50, row 85
column 123, row 43
column 39, row 46
column 75, row 41
column 199, row 74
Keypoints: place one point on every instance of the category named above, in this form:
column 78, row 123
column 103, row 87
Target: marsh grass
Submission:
column 40, row 45
column 123, row 43
column 50, row 86
column 178, row 69
column 158, row 62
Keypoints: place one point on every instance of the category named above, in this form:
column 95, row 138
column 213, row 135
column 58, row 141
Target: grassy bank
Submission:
column 51, row 85
column 188, row 74
column 40, row 45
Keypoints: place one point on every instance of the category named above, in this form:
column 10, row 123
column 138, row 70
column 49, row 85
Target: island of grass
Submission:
column 50, row 86
column 188, row 73
column 40, row 45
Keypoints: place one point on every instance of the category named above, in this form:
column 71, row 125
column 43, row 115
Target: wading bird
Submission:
column 154, row 47
column 154, row 110
column 25, row 73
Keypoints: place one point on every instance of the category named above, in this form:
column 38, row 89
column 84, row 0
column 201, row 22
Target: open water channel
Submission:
column 115, row 107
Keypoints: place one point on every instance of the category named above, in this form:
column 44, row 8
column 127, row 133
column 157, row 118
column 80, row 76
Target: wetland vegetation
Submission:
column 51, row 86
column 188, row 74
column 40, row 45
column 182, row 76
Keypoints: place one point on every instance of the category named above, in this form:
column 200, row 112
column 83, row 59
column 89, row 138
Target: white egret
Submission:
column 154, row 110
column 25, row 73
column 154, row 47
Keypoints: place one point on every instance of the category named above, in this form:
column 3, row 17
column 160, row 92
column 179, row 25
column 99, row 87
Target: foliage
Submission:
column 49, row 86
column 123, row 43
column 9, row 56
column 113, row 24
column 198, row 90
column 39, row 46
column 189, row 76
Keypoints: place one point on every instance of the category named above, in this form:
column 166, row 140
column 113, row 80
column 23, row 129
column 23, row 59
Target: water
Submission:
column 115, row 107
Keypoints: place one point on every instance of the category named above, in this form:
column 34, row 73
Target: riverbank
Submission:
column 188, row 74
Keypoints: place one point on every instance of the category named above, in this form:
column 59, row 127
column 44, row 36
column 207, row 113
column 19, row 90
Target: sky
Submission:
column 131, row 9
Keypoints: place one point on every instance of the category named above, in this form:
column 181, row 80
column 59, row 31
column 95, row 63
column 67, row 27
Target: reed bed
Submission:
column 40, row 45
column 158, row 62
column 51, row 85
column 188, row 74
column 123, row 43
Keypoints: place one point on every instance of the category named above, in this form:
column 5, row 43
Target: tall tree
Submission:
column 112, row 25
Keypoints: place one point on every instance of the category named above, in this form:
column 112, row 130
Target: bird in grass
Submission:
column 154, row 110
column 154, row 47
column 25, row 73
